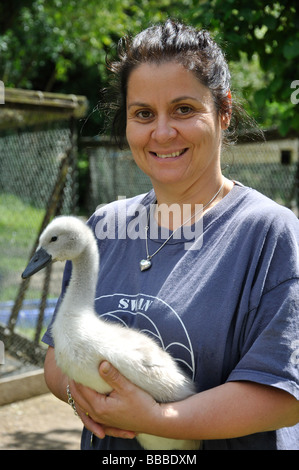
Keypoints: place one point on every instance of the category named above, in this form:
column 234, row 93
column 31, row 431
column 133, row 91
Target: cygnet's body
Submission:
column 83, row 340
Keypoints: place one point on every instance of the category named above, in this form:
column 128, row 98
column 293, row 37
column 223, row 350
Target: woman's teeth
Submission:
column 169, row 155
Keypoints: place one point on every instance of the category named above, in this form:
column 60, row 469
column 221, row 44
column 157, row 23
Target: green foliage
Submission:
column 270, row 32
column 61, row 45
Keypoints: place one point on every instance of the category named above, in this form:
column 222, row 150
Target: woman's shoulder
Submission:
column 255, row 206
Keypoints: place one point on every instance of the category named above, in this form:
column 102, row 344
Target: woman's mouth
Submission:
column 178, row 153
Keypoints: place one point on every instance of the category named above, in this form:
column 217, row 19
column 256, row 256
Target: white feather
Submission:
column 83, row 340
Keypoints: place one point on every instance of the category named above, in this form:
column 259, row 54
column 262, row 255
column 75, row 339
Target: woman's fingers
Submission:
column 88, row 401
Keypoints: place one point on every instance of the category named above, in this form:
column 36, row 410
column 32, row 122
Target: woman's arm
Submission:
column 231, row 410
column 55, row 379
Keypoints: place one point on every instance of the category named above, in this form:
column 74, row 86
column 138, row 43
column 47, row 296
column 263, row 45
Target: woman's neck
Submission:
column 175, row 207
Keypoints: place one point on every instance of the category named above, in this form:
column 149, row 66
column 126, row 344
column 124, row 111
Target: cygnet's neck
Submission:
column 82, row 286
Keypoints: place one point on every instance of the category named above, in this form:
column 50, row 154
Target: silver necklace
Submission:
column 146, row 263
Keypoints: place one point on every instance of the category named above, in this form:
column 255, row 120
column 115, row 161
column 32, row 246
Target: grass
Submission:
column 19, row 226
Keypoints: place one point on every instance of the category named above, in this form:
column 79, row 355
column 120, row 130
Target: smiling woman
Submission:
column 173, row 111
column 224, row 301
column 175, row 138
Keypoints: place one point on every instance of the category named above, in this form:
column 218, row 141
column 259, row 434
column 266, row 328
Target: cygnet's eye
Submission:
column 53, row 239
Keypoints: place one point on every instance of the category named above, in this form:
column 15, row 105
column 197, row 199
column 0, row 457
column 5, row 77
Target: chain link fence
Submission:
column 38, row 164
column 270, row 167
column 113, row 173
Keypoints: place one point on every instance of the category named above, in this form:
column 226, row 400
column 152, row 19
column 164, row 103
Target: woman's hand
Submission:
column 117, row 414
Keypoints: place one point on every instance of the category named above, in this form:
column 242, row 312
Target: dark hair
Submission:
column 171, row 41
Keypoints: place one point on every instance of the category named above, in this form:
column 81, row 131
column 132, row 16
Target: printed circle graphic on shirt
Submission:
column 154, row 317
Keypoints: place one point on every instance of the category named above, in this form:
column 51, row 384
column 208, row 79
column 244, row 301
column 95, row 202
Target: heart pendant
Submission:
column 145, row 264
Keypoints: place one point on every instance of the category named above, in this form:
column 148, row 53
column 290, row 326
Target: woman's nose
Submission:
column 164, row 130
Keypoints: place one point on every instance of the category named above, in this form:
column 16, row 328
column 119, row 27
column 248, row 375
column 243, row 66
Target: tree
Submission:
column 265, row 32
column 61, row 45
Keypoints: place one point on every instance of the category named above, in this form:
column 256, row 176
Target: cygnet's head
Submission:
column 65, row 238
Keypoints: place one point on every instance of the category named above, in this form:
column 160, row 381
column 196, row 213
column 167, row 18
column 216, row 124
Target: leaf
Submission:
column 270, row 22
column 291, row 50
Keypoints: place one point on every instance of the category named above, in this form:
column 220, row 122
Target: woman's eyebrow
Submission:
column 140, row 104
column 185, row 97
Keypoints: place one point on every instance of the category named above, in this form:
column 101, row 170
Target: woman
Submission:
column 225, row 303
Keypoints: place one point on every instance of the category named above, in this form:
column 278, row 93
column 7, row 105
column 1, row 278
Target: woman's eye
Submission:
column 144, row 114
column 184, row 110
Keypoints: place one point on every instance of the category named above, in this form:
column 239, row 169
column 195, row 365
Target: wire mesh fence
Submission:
column 37, row 181
column 270, row 167
column 113, row 173
column 38, row 149
column 29, row 162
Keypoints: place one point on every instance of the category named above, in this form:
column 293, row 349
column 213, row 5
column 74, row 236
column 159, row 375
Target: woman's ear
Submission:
column 227, row 112
column 225, row 121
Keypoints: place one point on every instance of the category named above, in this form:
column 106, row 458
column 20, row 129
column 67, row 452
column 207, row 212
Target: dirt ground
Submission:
column 39, row 423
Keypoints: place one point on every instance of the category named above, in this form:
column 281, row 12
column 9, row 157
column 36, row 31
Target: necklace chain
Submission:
column 146, row 264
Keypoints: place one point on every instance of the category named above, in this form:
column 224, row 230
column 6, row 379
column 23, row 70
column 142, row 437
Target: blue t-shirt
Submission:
column 226, row 308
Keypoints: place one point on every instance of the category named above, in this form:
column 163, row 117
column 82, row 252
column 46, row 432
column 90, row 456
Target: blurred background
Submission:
column 55, row 153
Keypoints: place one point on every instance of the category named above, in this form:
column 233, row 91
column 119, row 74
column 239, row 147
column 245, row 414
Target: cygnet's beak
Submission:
column 38, row 261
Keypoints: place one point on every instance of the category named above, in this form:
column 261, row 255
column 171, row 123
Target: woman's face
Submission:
column 172, row 126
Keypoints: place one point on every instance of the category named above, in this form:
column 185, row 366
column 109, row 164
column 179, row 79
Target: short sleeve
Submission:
column 270, row 350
